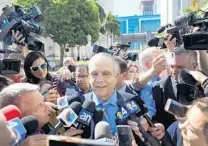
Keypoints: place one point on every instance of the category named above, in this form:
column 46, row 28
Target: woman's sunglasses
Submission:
column 36, row 68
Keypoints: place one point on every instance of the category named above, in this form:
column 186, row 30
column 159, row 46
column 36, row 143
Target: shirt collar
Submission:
column 123, row 88
column 112, row 100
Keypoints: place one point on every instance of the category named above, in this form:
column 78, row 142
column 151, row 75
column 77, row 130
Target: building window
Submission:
column 123, row 27
column 148, row 7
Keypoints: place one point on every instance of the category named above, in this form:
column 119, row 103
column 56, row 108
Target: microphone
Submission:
column 11, row 112
column 31, row 124
column 103, row 130
column 155, row 42
column 144, row 110
column 75, row 97
column 13, row 116
column 17, row 126
column 67, row 116
column 161, row 29
column 86, row 114
column 127, row 111
column 89, row 131
column 9, row 51
column 98, row 115
column 62, row 102
column 184, row 19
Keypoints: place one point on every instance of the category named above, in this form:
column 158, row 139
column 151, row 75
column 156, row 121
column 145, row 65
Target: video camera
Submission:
column 181, row 30
column 15, row 18
column 9, row 66
column 112, row 51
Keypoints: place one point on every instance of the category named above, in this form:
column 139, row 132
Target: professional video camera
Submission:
column 197, row 40
column 9, row 66
column 15, row 18
column 182, row 32
column 112, row 51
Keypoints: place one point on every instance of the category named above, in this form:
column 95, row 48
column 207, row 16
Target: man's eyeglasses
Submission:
column 36, row 68
column 82, row 77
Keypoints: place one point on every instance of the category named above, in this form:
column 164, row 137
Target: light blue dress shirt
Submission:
column 110, row 108
column 146, row 96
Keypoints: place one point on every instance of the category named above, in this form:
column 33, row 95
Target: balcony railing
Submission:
column 148, row 12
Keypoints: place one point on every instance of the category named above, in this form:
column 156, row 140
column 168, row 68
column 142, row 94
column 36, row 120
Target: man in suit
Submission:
column 177, row 85
column 129, row 88
column 103, row 75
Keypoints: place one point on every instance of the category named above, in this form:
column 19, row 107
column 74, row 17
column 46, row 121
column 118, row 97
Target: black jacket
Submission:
column 167, row 88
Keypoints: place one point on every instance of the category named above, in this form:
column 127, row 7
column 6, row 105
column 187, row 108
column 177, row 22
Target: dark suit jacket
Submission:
column 167, row 88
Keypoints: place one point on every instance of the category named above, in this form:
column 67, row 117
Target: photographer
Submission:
column 179, row 85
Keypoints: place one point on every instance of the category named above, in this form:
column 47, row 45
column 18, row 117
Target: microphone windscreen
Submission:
column 161, row 29
column 76, row 107
column 98, row 115
column 74, row 98
column 103, row 130
column 153, row 42
column 89, row 105
column 11, row 112
column 31, row 124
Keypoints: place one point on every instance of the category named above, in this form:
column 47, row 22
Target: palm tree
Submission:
column 111, row 27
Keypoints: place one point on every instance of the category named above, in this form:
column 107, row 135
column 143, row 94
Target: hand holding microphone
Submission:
column 35, row 140
column 129, row 110
column 67, row 117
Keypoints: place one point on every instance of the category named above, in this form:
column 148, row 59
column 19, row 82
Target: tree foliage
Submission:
column 68, row 21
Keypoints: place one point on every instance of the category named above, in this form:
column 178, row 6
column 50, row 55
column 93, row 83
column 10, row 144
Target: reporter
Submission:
column 36, row 68
column 36, row 71
column 28, row 99
column 195, row 130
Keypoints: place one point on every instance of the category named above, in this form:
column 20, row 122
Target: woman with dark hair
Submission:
column 36, row 68
column 36, row 72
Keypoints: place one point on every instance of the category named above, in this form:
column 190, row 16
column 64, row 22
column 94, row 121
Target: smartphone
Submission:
column 170, row 58
column 175, row 108
column 125, row 135
column 71, row 141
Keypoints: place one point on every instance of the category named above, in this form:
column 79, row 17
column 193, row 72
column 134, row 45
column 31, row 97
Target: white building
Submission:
column 171, row 9
column 129, row 7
